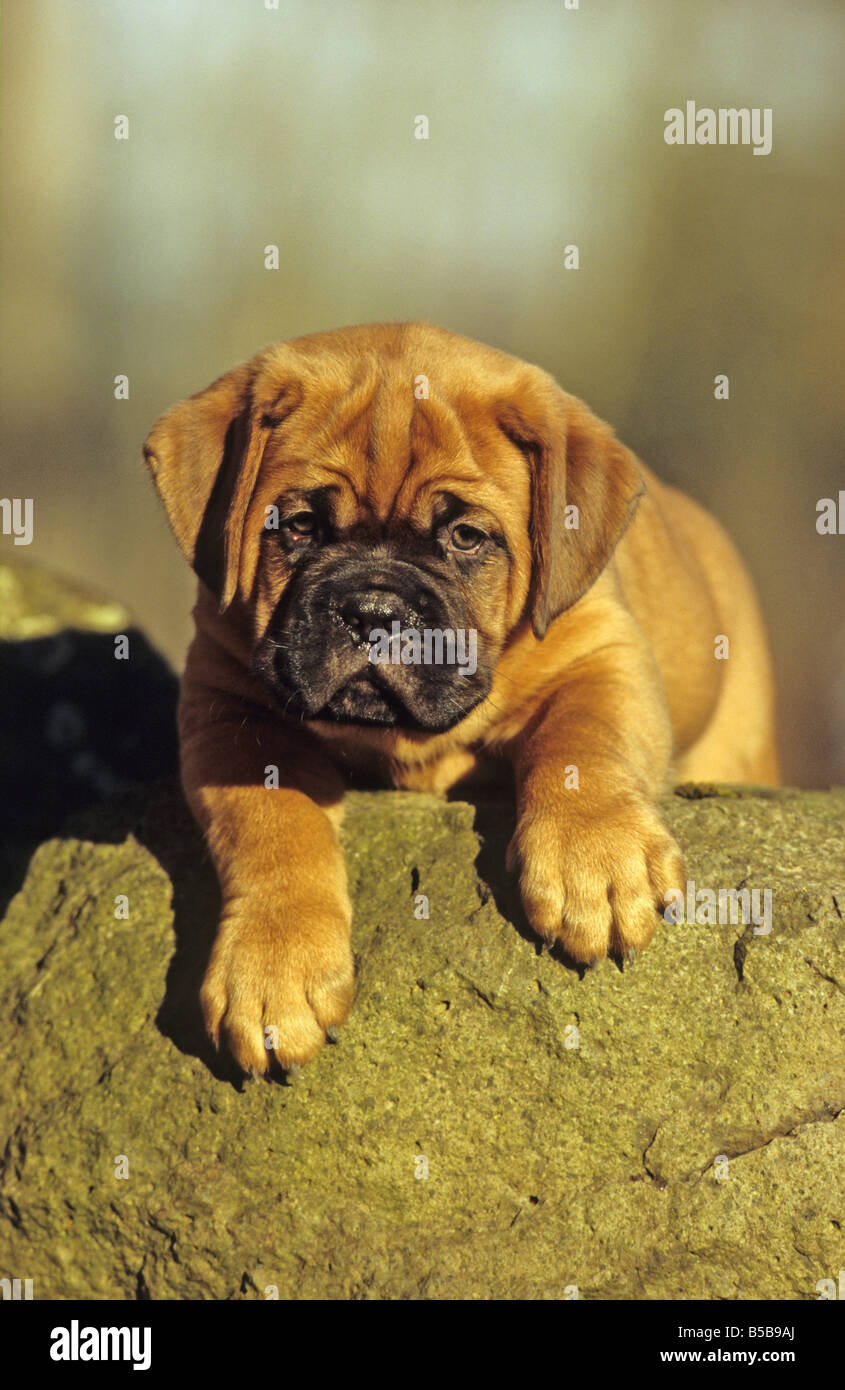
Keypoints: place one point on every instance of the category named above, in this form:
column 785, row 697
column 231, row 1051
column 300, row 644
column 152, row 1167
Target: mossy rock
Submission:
column 490, row 1124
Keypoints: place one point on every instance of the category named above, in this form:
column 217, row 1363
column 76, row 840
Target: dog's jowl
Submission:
column 400, row 588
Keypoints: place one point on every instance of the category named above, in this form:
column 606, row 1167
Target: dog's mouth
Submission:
column 371, row 657
column 372, row 695
column 363, row 700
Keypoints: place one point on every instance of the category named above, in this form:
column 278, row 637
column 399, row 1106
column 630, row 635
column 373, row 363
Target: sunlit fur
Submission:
column 596, row 644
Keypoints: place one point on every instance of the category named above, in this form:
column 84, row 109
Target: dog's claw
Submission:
column 331, row 1034
column 632, row 955
column 292, row 1070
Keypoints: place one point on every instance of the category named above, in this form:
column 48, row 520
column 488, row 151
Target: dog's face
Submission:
column 351, row 600
column 386, row 506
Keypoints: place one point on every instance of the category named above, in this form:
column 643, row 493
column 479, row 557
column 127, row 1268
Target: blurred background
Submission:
column 294, row 126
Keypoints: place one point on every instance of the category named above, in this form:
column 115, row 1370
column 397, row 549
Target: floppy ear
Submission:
column 585, row 487
column 204, row 456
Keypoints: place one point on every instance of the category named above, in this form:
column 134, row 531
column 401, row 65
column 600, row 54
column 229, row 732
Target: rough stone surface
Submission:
column 35, row 603
column 550, row 1167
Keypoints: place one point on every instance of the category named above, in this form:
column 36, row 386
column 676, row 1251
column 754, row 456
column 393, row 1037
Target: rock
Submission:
column 490, row 1124
column 76, row 723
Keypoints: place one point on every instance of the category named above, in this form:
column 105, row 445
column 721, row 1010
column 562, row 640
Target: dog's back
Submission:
column 685, row 583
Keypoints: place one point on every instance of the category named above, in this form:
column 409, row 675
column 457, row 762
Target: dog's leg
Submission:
column 281, row 971
column 594, row 857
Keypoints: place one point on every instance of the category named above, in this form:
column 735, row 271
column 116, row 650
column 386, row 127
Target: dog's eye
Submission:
column 302, row 525
column 466, row 538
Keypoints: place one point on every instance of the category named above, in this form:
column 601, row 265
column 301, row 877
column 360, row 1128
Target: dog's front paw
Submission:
column 593, row 880
column 278, row 982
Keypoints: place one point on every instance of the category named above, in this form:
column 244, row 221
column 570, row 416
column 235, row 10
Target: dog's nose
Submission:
column 372, row 608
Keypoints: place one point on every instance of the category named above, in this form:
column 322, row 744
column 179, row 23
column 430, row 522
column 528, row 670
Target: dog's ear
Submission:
column 585, row 486
column 204, row 456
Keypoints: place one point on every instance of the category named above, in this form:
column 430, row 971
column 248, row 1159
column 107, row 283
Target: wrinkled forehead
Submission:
column 389, row 427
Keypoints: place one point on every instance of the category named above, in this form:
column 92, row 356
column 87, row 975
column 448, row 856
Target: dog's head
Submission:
column 386, row 506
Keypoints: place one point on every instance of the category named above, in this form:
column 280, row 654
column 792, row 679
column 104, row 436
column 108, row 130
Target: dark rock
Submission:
column 76, row 723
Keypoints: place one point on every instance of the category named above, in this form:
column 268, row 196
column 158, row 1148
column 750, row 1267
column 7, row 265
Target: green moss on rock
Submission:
column 548, row 1165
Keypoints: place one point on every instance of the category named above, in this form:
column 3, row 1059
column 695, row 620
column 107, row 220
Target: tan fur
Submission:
column 604, row 635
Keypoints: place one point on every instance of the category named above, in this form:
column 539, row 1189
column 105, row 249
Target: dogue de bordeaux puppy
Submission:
column 398, row 479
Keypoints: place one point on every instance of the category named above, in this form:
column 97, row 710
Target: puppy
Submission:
column 340, row 496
